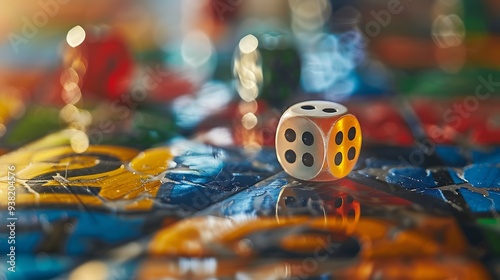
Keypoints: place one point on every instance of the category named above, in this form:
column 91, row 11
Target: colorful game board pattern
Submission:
column 204, row 211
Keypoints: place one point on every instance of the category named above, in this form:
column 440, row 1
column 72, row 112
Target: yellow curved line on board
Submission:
column 378, row 237
column 129, row 186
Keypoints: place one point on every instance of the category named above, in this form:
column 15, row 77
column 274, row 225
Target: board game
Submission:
column 137, row 140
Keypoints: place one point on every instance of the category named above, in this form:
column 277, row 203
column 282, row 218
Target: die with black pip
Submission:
column 318, row 141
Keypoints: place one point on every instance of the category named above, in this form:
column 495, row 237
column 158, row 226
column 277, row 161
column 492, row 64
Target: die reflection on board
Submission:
column 283, row 217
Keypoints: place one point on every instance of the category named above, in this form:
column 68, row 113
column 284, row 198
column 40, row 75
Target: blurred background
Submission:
column 221, row 71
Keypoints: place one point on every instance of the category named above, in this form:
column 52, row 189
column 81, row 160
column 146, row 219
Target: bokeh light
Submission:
column 247, row 68
column 75, row 36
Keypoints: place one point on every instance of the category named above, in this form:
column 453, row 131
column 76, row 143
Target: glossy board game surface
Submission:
column 137, row 140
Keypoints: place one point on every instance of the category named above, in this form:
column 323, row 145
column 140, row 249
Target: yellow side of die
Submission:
column 343, row 124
